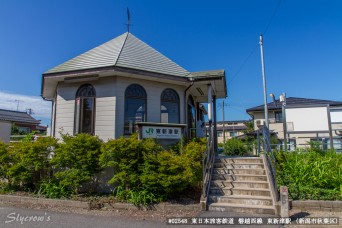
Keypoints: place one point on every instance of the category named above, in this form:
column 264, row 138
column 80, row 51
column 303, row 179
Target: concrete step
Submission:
column 239, row 171
column 239, row 177
column 229, row 160
column 242, row 199
column 239, row 184
column 239, row 165
column 242, row 208
column 239, row 191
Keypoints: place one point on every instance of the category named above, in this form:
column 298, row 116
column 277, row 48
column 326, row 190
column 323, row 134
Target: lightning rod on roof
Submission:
column 128, row 20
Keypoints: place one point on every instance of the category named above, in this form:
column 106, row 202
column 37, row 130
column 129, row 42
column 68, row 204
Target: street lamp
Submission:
column 282, row 100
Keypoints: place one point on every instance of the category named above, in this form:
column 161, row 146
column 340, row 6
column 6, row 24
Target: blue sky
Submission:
column 302, row 45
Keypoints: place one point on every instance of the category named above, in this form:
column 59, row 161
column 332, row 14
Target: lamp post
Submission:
column 282, row 99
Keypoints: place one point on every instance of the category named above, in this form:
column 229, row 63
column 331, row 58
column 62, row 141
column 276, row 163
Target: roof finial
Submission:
column 128, row 19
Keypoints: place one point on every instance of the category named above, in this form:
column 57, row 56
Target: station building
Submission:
column 125, row 86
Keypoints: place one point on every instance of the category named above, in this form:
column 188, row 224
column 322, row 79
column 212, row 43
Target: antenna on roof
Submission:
column 18, row 101
column 128, row 19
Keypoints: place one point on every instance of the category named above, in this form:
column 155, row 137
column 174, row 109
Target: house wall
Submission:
column 227, row 133
column 5, row 131
column 228, row 130
column 110, row 104
column 308, row 119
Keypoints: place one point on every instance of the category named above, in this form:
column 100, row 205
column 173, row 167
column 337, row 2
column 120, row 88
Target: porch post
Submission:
column 215, row 124
column 210, row 114
column 210, row 105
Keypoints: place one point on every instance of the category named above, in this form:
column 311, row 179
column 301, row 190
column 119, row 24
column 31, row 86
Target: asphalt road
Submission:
column 12, row 217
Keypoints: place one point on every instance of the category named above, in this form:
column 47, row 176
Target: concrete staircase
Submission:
column 240, row 184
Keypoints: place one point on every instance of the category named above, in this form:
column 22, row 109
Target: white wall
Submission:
column 153, row 90
column 5, row 131
column 308, row 119
column 104, row 111
column 109, row 115
column 65, row 105
column 105, row 108
column 336, row 116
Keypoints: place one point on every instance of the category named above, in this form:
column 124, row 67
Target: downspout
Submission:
column 185, row 104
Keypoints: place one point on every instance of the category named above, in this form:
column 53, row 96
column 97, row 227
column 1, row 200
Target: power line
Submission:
column 243, row 64
column 256, row 46
column 270, row 21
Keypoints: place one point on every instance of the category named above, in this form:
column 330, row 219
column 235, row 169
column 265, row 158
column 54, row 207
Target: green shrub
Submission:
column 315, row 147
column 166, row 173
column 5, row 160
column 235, row 147
column 142, row 170
column 27, row 163
column 139, row 198
column 310, row 175
column 77, row 160
column 51, row 189
column 125, row 155
column 193, row 152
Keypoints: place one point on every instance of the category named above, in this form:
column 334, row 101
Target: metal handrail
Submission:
column 270, row 158
column 208, row 164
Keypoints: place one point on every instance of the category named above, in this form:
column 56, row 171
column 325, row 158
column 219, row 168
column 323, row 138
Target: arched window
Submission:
column 191, row 117
column 169, row 106
column 85, row 109
column 135, row 107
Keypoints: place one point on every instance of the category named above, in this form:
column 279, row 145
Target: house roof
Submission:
column 295, row 102
column 233, row 121
column 17, row 117
column 123, row 51
column 232, row 128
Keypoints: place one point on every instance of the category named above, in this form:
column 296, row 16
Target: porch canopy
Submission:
column 204, row 80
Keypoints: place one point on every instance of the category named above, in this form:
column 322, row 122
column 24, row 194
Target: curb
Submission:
column 316, row 205
column 89, row 205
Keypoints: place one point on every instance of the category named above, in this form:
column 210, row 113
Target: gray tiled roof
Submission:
column 295, row 101
column 232, row 128
column 18, row 117
column 123, row 51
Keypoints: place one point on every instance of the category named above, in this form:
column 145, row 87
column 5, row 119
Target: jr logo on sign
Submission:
column 149, row 131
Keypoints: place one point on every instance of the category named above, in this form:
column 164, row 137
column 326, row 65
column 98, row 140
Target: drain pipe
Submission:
column 185, row 103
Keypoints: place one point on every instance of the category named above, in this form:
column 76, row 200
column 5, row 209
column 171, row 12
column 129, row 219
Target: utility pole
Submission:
column 264, row 80
column 223, row 130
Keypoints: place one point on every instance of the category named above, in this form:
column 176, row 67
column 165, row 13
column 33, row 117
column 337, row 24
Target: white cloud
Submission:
column 41, row 108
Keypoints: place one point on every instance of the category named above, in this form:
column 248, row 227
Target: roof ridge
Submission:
column 13, row 111
column 123, row 44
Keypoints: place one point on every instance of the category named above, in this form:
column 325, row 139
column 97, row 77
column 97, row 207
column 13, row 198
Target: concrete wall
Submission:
column 5, row 131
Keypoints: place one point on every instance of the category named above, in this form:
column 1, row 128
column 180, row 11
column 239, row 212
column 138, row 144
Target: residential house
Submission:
column 229, row 129
column 306, row 120
column 23, row 121
column 125, row 86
